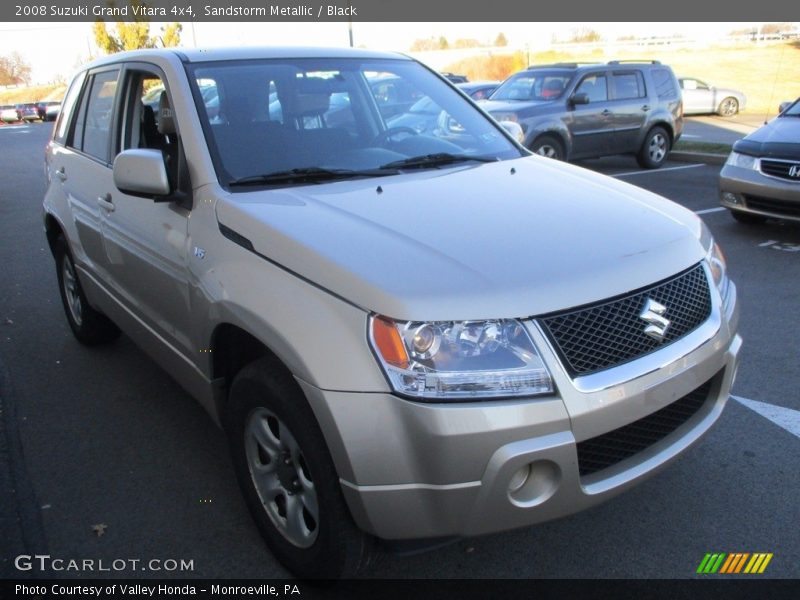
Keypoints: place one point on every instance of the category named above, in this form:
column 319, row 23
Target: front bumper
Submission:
column 749, row 190
column 414, row 470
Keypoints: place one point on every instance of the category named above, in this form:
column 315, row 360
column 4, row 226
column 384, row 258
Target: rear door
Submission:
column 83, row 164
column 630, row 106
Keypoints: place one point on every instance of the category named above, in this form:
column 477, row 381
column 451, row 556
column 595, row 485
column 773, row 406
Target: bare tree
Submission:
column 14, row 69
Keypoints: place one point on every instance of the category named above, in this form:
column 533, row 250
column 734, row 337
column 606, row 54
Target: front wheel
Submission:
column 548, row 146
column 728, row 107
column 655, row 149
column 288, row 478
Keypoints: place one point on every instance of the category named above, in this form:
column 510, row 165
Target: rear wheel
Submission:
column 747, row 218
column 288, row 478
column 548, row 146
column 728, row 107
column 655, row 149
column 89, row 326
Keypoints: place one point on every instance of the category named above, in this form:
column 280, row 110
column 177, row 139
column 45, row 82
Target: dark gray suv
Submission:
column 573, row 110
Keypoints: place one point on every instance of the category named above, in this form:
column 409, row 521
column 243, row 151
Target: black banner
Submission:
column 729, row 589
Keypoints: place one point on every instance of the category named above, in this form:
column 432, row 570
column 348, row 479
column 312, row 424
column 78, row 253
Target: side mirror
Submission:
column 514, row 129
column 579, row 99
column 141, row 172
column 783, row 106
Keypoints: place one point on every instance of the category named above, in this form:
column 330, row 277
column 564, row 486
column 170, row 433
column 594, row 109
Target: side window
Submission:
column 67, row 106
column 92, row 131
column 628, row 85
column 665, row 83
column 145, row 100
column 594, row 86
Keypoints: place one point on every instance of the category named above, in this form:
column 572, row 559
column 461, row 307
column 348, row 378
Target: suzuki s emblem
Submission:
column 653, row 313
column 794, row 171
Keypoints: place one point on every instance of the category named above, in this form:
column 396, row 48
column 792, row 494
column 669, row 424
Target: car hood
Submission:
column 508, row 239
column 778, row 138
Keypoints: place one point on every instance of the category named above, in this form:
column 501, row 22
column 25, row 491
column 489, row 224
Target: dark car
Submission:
column 28, row 112
column 454, row 78
column 48, row 110
column 761, row 177
column 478, row 90
column 570, row 110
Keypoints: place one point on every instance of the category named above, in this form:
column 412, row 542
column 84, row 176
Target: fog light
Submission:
column 731, row 198
column 519, row 479
column 534, row 483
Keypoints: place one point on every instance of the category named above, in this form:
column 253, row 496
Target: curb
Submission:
column 702, row 157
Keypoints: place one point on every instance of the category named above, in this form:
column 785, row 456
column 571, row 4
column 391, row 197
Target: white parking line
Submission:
column 786, row 418
column 709, row 210
column 654, row 171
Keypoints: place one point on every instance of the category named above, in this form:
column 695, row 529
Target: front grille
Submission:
column 605, row 450
column 781, row 169
column 604, row 335
column 781, row 207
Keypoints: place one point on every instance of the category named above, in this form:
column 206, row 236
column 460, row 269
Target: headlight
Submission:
column 719, row 270
column 505, row 116
column 459, row 360
column 744, row 161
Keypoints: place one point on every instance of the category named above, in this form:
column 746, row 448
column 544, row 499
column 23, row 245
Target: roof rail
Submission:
column 634, row 60
column 563, row 65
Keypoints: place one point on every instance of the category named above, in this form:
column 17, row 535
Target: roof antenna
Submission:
column 774, row 82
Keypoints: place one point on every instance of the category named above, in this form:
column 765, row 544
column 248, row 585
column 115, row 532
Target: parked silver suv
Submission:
column 405, row 336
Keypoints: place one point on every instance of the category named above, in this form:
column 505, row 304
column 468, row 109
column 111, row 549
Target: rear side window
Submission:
column 665, row 83
column 92, row 132
column 627, row 85
column 67, row 106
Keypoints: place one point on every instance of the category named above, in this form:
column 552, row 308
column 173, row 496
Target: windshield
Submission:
column 793, row 110
column 533, row 85
column 292, row 121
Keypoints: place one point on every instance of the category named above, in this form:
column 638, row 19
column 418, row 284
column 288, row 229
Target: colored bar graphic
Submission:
column 724, row 563
column 741, row 562
column 732, row 559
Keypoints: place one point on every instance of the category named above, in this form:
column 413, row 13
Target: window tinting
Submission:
column 665, row 84
column 628, row 85
column 93, row 125
column 594, row 86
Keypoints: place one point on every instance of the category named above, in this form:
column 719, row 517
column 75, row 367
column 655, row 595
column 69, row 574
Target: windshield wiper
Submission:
column 310, row 175
column 434, row 160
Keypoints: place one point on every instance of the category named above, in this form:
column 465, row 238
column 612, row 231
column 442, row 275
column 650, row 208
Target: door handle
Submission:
column 61, row 174
column 646, row 107
column 105, row 202
column 605, row 112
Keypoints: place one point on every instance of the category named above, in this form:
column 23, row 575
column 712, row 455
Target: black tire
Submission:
column 655, row 149
column 90, row 327
column 747, row 218
column 549, row 146
column 728, row 107
column 265, row 401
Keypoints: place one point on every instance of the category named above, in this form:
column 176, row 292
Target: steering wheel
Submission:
column 387, row 134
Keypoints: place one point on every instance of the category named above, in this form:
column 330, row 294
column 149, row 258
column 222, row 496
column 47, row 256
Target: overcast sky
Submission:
column 54, row 49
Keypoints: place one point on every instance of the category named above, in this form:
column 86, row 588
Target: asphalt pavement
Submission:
column 107, row 442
